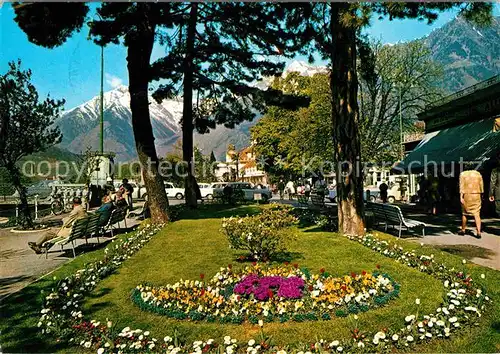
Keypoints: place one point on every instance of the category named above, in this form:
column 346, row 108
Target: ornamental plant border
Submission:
column 338, row 311
column 61, row 315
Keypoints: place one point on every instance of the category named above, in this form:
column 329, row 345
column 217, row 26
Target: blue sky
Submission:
column 72, row 71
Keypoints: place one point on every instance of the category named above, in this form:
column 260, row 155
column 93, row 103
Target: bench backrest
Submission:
column 93, row 225
column 386, row 211
column 117, row 215
column 318, row 199
column 79, row 229
column 302, row 199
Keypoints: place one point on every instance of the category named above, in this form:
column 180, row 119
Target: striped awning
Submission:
column 475, row 142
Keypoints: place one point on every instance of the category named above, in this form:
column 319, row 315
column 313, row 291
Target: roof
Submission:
column 471, row 142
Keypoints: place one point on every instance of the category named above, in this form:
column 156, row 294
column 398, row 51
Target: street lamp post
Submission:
column 401, row 124
column 102, row 99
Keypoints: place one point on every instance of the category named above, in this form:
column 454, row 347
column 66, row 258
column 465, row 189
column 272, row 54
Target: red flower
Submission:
column 353, row 275
column 343, row 287
column 363, row 272
column 286, row 263
column 296, row 265
column 238, row 298
column 310, row 288
column 322, row 270
column 254, row 263
column 242, row 258
column 378, row 266
column 202, row 275
column 270, row 293
column 230, row 266
column 202, row 292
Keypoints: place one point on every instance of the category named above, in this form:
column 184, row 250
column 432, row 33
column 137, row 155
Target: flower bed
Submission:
column 277, row 293
column 462, row 306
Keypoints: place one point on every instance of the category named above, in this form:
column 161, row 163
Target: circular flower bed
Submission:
column 61, row 316
column 271, row 293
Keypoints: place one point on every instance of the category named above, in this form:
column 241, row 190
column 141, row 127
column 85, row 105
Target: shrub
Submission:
column 263, row 235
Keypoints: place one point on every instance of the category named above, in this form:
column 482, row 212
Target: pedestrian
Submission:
column 320, row 186
column 495, row 186
column 471, row 188
column 383, row 188
column 281, row 188
column 433, row 193
column 290, row 189
column 127, row 191
column 108, row 188
column 307, row 189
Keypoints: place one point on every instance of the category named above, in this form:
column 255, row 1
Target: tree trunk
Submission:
column 345, row 120
column 140, row 45
column 25, row 219
column 187, row 112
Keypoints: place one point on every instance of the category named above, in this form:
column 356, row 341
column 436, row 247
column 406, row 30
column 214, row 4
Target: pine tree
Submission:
column 217, row 54
column 333, row 29
column 133, row 24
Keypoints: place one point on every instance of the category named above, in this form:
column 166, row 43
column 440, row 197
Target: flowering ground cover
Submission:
column 280, row 293
column 194, row 246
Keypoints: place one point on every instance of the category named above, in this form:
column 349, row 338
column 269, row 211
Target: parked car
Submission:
column 173, row 191
column 250, row 192
column 207, row 192
column 374, row 194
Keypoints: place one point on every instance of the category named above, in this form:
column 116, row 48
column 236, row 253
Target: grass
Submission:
column 194, row 245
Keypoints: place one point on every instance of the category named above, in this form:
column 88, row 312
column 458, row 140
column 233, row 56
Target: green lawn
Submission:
column 194, row 245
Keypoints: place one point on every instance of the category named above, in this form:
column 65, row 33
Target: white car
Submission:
column 207, row 192
column 174, row 192
column 249, row 191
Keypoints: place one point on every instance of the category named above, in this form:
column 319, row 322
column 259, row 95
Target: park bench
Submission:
column 78, row 230
column 93, row 228
column 141, row 213
column 392, row 215
column 118, row 215
column 303, row 201
column 318, row 201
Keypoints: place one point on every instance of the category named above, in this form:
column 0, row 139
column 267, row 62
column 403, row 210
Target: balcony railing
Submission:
column 479, row 86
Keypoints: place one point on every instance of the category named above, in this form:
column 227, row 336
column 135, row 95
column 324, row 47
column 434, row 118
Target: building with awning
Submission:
column 461, row 128
column 461, row 131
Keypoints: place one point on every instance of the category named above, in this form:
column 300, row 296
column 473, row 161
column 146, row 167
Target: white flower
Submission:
column 440, row 323
column 334, row 343
column 355, row 317
column 483, row 276
column 227, row 340
column 409, row 339
column 375, row 340
column 261, row 323
column 87, row 344
column 361, row 345
column 380, row 335
column 167, row 339
column 453, row 319
column 395, row 337
column 464, row 261
column 339, row 349
column 100, row 350
column 409, row 318
column 417, row 301
column 251, row 342
column 428, row 335
column 146, row 333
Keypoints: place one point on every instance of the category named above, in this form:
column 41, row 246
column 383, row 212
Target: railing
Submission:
column 467, row 91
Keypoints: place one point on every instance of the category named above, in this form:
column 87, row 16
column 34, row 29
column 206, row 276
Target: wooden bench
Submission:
column 78, row 230
column 392, row 215
column 93, row 228
column 303, row 201
column 118, row 215
column 142, row 213
column 318, row 201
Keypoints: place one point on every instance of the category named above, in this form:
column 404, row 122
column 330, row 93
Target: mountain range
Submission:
column 467, row 53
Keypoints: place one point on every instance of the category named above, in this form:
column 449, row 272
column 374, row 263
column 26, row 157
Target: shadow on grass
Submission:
column 213, row 211
column 467, row 251
column 21, row 311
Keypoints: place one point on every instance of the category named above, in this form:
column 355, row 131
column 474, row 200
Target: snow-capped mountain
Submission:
column 304, row 69
column 80, row 125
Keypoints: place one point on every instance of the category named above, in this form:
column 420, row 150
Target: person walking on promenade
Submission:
column 281, row 188
column 471, row 188
column 495, row 186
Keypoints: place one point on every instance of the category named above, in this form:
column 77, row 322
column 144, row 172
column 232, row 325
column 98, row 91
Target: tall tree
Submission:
column 26, row 126
column 333, row 29
column 220, row 50
column 134, row 24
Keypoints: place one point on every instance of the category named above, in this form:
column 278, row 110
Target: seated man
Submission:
column 120, row 202
column 105, row 210
column 78, row 212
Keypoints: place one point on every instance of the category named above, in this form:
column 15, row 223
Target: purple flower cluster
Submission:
column 264, row 288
